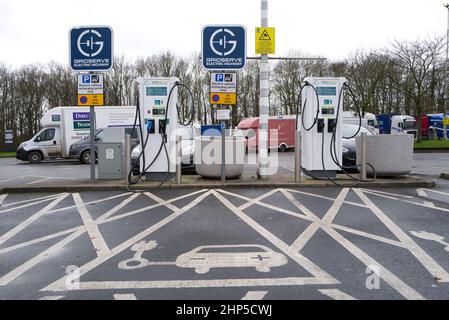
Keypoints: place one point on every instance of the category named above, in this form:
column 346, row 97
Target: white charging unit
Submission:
column 153, row 100
column 315, row 144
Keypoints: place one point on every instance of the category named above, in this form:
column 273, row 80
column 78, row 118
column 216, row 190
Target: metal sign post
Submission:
column 92, row 144
column 91, row 50
column 263, row 102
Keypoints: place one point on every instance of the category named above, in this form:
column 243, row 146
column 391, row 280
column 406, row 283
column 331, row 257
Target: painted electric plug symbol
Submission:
column 137, row 261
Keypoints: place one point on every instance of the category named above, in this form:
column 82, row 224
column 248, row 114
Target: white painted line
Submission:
column 2, row 198
column 7, row 278
column 255, row 295
column 317, row 220
column 127, row 214
column 336, row 294
column 29, row 205
column 289, row 169
column 91, row 227
column 119, row 296
column 369, row 235
column 118, row 207
column 298, row 204
column 425, row 205
column 99, row 221
column 327, row 198
column 11, row 233
column 436, row 191
column 333, row 210
column 52, row 298
column 31, row 200
column 59, row 285
column 40, row 180
column 421, row 193
column 160, row 200
column 37, row 240
column 92, row 202
column 393, row 281
column 9, row 179
column 305, row 263
column 387, row 193
column 426, row 260
column 179, row 284
column 257, row 199
column 304, row 237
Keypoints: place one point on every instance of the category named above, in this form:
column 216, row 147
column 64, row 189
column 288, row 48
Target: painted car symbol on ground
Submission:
column 256, row 256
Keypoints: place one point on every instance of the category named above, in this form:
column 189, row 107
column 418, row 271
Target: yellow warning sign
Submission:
column 446, row 121
column 89, row 100
column 223, row 98
column 265, row 40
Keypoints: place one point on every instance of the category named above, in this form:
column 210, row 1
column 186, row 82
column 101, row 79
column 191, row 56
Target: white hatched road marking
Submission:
column 2, row 198
column 99, row 221
column 336, row 294
column 59, row 285
column 427, row 261
column 91, row 227
column 52, row 298
column 31, row 204
column 128, row 296
column 255, row 295
column 11, row 233
column 308, row 265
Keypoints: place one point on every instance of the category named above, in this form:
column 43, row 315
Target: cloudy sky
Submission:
column 37, row 30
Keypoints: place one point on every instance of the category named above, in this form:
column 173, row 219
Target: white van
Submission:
column 63, row 126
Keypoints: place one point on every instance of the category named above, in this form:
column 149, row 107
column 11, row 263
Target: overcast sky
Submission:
column 37, row 30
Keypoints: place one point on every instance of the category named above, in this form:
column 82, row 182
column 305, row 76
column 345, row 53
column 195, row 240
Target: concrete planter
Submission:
column 390, row 155
column 208, row 157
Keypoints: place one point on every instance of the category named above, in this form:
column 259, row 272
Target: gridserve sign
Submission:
column 223, row 47
column 91, row 48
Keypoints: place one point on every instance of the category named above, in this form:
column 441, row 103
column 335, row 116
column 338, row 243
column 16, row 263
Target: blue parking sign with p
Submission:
column 219, row 77
column 86, row 78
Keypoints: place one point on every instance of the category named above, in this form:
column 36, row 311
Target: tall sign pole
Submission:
column 263, row 102
column 91, row 50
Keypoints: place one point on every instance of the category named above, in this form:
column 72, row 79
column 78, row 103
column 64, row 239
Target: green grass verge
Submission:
column 7, row 154
column 430, row 144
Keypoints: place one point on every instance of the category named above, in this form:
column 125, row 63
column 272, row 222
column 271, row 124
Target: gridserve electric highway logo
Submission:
column 224, row 47
column 91, row 48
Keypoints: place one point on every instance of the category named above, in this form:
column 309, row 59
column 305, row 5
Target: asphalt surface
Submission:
column 15, row 173
column 267, row 244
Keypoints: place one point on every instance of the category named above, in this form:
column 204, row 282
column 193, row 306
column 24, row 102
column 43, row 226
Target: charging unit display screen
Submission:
column 326, row 91
column 156, row 91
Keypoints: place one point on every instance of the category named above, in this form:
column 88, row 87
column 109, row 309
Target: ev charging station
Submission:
column 158, row 113
column 322, row 101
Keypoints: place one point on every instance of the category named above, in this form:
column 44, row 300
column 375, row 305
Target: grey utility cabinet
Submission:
column 110, row 161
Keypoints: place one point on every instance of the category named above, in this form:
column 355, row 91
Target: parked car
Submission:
column 81, row 149
column 187, row 151
column 349, row 149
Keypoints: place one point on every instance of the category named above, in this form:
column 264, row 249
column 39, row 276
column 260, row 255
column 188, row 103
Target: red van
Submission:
column 285, row 126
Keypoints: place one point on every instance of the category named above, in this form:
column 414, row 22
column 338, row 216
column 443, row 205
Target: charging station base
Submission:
column 159, row 176
column 322, row 175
